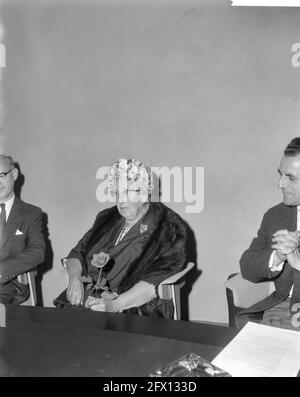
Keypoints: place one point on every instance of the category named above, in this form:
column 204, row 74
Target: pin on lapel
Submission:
column 143, row 228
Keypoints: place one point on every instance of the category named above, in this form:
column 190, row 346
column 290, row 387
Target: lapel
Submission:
column 12, row 222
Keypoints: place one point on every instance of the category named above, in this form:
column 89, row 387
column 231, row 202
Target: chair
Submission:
column 29, row 278
column 26, row 278
column 170, row 289
column 63, row 262
column 241, row 294
column 2, row 315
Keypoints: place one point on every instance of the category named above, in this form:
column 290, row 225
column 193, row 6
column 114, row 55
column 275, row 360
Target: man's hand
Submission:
column 286, row 245
column 285, row 242
column 75, row 291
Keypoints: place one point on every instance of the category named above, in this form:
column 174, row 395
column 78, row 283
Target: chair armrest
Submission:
column 245, row 293
column 165, row 291
column 24, row 278
column 164, row 288
column 64, row 263
column 177, row 276
column 2, row 315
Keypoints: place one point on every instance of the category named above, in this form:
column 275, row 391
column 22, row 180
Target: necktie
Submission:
column 2, row 221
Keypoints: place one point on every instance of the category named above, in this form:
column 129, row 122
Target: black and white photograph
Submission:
column 149, row 191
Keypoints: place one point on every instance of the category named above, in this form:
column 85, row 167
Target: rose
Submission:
column 100, row 260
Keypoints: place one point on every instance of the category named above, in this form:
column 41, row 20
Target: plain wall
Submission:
column 173, row 83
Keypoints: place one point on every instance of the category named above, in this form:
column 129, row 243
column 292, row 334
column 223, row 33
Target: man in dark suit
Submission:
column 274, row 253
column 22, row 244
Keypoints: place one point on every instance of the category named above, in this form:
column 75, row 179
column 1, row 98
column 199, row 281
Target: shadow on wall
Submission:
column 48, row 262
column 191, row 249
column 192, row 276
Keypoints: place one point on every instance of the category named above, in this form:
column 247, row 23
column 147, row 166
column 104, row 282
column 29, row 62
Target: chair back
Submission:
column 241, row 294
column 170, row 289
column 29, row 278
column 2, row 315
column 64, row 262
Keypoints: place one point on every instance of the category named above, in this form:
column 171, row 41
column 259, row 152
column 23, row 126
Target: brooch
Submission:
column 143, row 228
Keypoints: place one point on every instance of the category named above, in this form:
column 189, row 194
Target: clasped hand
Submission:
column 107, row 303
column 286, row 245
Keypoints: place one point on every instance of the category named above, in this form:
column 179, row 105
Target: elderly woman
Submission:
column 131, row 248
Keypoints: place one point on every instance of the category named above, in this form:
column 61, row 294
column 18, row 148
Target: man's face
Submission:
column 289, row 182
column 7, row 181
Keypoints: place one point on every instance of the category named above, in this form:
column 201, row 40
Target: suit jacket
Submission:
column 23, row 250
column 254, row 262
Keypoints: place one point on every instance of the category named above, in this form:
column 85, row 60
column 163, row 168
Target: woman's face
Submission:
column 130, row 202
column 129, row 205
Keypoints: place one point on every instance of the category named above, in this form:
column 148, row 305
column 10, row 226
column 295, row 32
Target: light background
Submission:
column 173, row 83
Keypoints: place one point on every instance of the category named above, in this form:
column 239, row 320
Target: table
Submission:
column 40, row 341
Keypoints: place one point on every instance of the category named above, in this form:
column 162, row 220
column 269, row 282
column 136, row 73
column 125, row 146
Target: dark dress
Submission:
column 126, row 256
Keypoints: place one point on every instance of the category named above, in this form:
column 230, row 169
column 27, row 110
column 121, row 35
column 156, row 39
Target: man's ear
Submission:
column 15, row 173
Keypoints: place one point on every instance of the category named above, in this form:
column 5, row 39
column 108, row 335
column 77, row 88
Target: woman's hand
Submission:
column 75, row 291
column 96, row 304
column 111, row 305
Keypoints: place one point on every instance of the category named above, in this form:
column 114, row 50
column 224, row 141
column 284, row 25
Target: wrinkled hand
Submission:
column 75, row 291
column 111, row 305
column 109, row 295
column 92, row 301
column 285, row 242
column 287, row 246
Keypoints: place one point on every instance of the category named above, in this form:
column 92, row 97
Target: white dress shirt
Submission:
column 279, row 267
column 8, row 206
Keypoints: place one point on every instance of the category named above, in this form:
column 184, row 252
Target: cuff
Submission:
column 272, row 267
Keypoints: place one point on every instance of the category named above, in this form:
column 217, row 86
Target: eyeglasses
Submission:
column 3, row 175
column 127, row 192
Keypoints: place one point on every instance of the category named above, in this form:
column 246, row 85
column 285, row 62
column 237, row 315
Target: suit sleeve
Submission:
column 254, row 262
column 32, row 255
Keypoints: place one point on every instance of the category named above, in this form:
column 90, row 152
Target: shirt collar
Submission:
column 9, row 204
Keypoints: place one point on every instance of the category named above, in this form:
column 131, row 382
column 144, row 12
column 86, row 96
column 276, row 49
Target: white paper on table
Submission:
column 261, row 351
